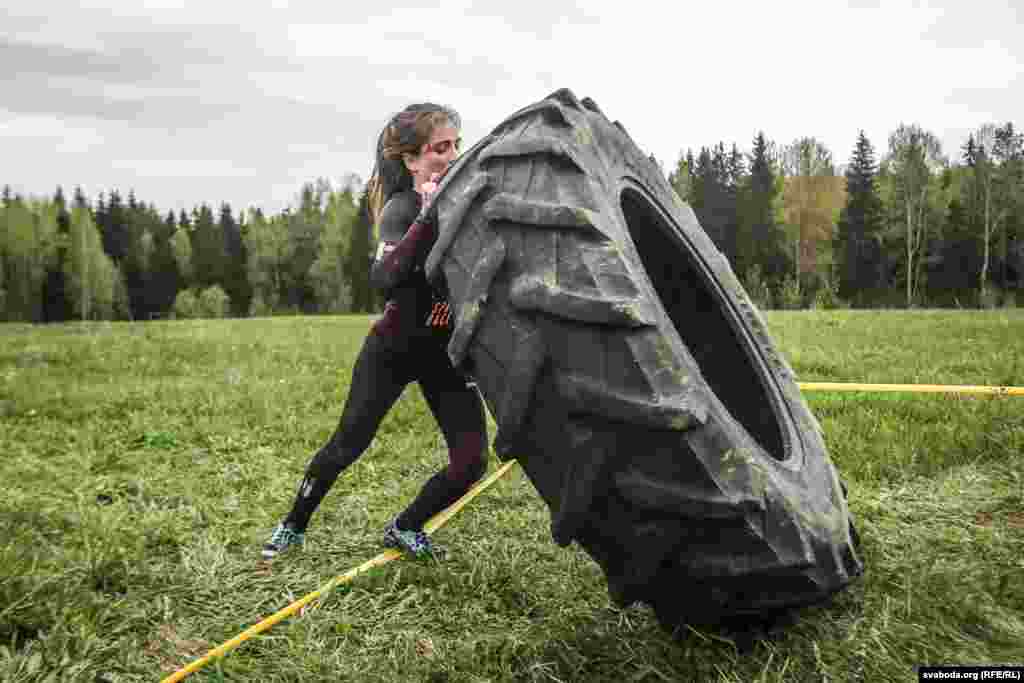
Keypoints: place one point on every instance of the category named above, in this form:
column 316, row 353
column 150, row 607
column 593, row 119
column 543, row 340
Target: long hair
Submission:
column 405, row 133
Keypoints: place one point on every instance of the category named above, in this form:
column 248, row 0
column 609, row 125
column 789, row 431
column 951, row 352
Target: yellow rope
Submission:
column 913, row 388
column 435, row 523
column 441, row 518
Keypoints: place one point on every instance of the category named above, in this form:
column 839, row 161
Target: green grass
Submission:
column 144, row 464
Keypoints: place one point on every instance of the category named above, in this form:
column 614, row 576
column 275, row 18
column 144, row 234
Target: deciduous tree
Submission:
column 915, row 155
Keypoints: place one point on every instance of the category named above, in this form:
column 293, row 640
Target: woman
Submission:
column 409, row 343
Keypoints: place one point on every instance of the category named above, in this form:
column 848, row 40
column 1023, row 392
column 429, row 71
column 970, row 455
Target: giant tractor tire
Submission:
column 631, row 376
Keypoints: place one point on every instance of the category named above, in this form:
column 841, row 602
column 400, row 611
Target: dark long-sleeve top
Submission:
column 397, row 269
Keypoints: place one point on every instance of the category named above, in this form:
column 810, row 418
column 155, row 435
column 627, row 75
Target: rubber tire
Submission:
column 631, row 375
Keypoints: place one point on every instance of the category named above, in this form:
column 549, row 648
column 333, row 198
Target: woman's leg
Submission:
column 378, row 378
column 460, row 414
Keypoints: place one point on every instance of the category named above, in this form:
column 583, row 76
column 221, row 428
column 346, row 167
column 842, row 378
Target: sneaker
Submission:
column 416, row 543
column 283, row 538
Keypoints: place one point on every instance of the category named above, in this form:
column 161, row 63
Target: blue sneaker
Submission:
column 283, row 538
column 416, row 543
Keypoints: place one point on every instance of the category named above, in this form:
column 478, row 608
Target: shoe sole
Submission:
column 269, row 555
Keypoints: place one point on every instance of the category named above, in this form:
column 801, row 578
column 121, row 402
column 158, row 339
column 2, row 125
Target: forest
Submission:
column 909, row 226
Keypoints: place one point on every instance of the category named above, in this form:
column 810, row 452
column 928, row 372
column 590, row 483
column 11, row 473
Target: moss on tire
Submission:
column 631, row 375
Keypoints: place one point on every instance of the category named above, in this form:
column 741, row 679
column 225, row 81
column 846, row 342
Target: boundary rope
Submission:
column 435, row 523
column 912, row 388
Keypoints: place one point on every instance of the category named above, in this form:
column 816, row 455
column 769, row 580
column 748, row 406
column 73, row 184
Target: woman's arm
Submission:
column 402, row 246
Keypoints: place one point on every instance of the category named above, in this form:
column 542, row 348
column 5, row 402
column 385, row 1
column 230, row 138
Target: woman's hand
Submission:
column 427, row 191
column 428, row 188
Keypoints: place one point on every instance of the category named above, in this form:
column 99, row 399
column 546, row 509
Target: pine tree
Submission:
column 358, row 267
column 681, row 179
column 960, row 266
column 80, row 202
column 761, row 241
column 709, row 193
column 857, row 240
column 114, row 228
column 163, row 279
column 700, row 187
column 56, row 301
column 141, row 224
column 715, row 190
column 208, row 255
column 735, row 181
column 99, row 216
column 235, row 279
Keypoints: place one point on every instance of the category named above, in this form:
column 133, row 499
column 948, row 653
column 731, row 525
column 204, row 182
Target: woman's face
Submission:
column 435, row 156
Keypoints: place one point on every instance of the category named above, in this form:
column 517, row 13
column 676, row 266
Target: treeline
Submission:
column 911, row 228
column 120, row 259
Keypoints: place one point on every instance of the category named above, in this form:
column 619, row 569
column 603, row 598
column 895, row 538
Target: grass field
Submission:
column 144, row 464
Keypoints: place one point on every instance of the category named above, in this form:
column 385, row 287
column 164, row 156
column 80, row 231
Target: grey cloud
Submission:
column 151, row 55
column 173, row 46
column 27, row 59
column 179, row 85
column 86, row 99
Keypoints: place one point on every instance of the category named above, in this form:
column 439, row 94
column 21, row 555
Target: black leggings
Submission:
column 384, row 367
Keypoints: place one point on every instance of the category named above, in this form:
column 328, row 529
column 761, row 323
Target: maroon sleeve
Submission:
column 394, row 261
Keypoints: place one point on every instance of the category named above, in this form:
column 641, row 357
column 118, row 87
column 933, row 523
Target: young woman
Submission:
column 409, row 343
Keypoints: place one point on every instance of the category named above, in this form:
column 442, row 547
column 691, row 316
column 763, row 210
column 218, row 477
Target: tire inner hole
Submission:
column 700, row 317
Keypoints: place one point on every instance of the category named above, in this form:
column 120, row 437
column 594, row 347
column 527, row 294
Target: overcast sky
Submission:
column 189, row 102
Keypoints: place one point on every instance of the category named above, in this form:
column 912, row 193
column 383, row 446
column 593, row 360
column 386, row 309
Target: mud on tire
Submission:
column 631, row 376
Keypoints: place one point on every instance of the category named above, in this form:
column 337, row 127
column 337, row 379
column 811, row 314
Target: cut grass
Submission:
column 150, row 461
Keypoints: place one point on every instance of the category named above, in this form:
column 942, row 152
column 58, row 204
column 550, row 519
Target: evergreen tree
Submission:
column 364, row 299
column 208, row 254
column 235, row 280
column 163, row 276
column 56, row 301
column 957, row 274
column 761, row 241
column 735, row 180
column 710, row 192
column 701, row 182
column 114, row 228
column 99, row 218
column 141, row 226
column 857, row 241
column 681, row 179
column 80, row 202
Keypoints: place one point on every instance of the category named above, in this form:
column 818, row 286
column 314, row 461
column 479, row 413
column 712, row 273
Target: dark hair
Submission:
column 405, row 133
